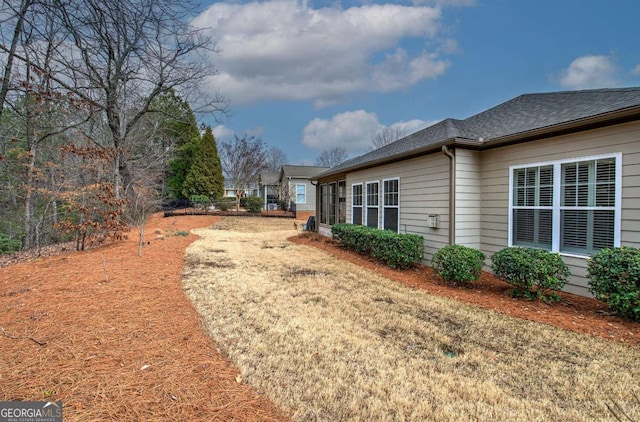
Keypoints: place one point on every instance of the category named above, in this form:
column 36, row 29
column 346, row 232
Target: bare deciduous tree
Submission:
column 276, row 158
column 124, row 54
column 242, row 160
column 332, row 157
column 386, row 136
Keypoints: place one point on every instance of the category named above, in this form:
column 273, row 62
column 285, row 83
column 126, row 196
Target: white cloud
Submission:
column 222, row 132
column 589, row 72
column 636, row 70
column 352, row 130
column 286, row 50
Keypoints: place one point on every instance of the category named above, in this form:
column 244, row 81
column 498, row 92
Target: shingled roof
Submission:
column 516, row 120
column 302, row 172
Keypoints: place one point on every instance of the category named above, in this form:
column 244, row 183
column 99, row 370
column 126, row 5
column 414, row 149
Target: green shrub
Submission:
column 614, row 278
column 8, row 245
column 393, row 249
column 533, row 272
column 253, row 204
column 458, row 263
column 200, row 201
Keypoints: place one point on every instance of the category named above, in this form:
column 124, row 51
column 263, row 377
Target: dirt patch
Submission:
column 574, row 313
column 112, row 335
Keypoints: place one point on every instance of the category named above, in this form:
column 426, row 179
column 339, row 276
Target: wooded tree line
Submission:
column 97, row 123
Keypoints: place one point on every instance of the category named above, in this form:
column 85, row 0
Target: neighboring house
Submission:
column 296, row 186
column 230, row 191
column 559, row 171
column 269, row 188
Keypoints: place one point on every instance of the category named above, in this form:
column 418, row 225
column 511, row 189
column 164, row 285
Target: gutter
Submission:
column 452, row 193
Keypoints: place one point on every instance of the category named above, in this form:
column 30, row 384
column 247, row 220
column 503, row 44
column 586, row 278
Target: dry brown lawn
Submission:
column 329, row 340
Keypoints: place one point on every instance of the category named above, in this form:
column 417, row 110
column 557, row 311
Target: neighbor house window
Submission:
column 391, row 204
column 568, row 206
column 356, row 203
column 372, row 204
column 301, row 193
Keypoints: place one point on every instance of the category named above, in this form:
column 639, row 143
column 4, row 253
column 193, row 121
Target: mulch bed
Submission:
column 573, row 313
column 114, row 337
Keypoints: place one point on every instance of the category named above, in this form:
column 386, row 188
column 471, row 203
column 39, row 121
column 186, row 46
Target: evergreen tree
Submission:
column 205, row 173
column 178, row 125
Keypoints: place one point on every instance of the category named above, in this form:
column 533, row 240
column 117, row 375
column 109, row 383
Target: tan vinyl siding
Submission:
column 495, row 164
column 468, row 192
column 424, row 190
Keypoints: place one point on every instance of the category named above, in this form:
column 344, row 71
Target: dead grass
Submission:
column 334, row 341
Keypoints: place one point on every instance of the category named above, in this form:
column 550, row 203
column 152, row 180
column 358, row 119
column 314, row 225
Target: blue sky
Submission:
column 305, row 76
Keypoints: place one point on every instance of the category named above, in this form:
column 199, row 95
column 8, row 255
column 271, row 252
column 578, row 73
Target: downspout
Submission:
column 452, row 193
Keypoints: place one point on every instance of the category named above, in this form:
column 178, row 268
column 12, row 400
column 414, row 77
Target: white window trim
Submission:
column 365, row 217
column 557, row 192
column 390, row 206
column 305, row 193
column 362, row 198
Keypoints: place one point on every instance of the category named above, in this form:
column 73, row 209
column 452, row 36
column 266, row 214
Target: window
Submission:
column 301, row 193
column 391, row 204
column 372, row 204
column 356, row 203
column 568, row 206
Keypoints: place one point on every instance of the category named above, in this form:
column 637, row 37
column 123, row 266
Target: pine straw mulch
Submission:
column 113, row 336
column 573, row 313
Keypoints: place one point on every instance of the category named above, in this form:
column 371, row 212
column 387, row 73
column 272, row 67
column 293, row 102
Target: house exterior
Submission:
column 559, row 171
column 297, row 187
column 230, row 190
column 269, row 189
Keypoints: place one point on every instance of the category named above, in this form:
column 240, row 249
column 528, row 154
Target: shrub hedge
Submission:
column 458, row 263
column 393, row 249
column 614, row 278
column 533, row 272
column 253, row 204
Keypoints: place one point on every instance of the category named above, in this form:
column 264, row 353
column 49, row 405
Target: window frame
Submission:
column 557, row 207
column 353, row 205
column 385, row 206
column 304, row 188
column 365, row 217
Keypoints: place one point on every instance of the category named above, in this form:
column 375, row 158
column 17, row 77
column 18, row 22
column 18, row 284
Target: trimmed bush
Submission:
column 458, row 263
column 8, row 245
column 533, row 272
column 614, row 278
column 253, row 204
column 393, row 249
column 200, row 201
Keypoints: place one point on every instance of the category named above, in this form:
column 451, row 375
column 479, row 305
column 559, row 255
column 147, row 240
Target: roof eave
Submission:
column 436, row 147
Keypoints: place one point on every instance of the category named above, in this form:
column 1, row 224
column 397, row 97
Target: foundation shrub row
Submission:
column 393, row 249
column 614, row 274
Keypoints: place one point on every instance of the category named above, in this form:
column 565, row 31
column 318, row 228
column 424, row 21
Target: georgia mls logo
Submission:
column 31, row 411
